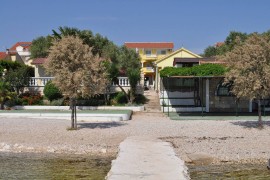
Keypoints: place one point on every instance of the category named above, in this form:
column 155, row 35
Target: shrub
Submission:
column 58, row 102
column 200, row 70
column 51, row 91
column 140, row 99
column 119, row 98
column 31, row 98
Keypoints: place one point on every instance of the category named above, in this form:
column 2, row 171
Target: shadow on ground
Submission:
column 250, row 124
column 101, row 125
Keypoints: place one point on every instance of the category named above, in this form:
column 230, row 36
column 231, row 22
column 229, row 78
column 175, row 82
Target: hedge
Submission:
column 200, row 70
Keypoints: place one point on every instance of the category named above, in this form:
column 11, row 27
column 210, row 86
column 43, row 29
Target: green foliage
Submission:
column 134, row 76
column 5, row 93
column 7, row 64
column 40, row 47
column 119, row 98
column 97, row 42
column 19, row 78
column 51, row 91
column 230, row 42
column 210, row 51
column 140, row 99
column 200, row 70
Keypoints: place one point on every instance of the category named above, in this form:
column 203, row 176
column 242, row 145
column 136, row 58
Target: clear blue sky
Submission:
column 194, row 24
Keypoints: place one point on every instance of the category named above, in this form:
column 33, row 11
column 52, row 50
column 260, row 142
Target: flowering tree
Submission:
column 249, row 69
column 76, row 70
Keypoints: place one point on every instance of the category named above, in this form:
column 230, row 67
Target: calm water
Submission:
column 52, row 166
column 230, row 172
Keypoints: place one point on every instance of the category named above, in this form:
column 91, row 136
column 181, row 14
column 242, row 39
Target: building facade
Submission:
column 150, row 53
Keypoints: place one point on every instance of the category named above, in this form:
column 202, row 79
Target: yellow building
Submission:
column 150, row 53
column 186, row 57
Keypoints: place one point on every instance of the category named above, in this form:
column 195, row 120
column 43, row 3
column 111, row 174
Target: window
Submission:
column 181, row 84
column 148, row 52
column 161, row 52
column 224, row 89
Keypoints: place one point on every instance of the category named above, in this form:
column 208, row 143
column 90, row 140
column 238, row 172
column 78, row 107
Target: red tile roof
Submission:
column 167, row 45
column 218, row 44
column 25, row 45
column 38, row 61
column 3, row 55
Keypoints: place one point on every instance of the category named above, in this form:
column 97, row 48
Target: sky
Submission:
column 193, row 24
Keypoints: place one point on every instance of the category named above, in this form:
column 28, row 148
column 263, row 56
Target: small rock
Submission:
column 50, row 150
column 104, row 151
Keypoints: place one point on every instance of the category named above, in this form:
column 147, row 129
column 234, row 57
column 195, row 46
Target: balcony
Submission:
column 150, row 57
column 123, row 81
column 39, row 81
column 148, row 69
column 42, row 81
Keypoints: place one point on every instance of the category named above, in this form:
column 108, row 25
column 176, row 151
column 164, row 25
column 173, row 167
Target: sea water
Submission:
column 52, row 166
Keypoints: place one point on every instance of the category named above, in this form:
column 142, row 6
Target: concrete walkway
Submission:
column 148, row 159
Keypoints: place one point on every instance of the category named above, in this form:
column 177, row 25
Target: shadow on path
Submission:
column 100, row 125
column 250, row 124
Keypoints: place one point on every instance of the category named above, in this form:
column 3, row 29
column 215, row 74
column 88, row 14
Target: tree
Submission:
column 97, row 42
column 19, row 78
column 134, row 76
column 210, row 51
column 125, row 61
column 40, row 47
column 5, row 93
column 76, row 70
column 230, row 42
column 249, row 70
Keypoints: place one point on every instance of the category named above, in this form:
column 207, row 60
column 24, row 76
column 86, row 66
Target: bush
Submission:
column 119, row 98
column 14, row 102
column 58, row 102
column 200, row 70
column 51, row 91
column 31, row 98
column 140, row 99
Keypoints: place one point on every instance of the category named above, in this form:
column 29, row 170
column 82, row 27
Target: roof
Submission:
column 3, row 55
column 193, row 60
column 167, row 45
column 38, row 61
column 25, row 45
column 218, row 44
column 175, row 52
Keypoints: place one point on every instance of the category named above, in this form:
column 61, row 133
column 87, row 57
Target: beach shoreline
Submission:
column 195, row 142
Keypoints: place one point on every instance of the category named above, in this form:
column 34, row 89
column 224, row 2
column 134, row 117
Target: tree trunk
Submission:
column 72, row 113
column 260, row 113
column 132, row 94
column 75, row 113
column 2, row 106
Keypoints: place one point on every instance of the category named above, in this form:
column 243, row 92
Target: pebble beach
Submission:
column 211, row 141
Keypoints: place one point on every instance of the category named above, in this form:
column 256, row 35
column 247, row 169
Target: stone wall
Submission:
column 224, row 103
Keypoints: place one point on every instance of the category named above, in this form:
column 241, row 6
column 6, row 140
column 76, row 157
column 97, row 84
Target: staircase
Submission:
column 153, row 105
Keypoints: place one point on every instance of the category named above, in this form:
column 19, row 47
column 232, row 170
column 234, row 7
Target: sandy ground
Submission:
column 193, row 141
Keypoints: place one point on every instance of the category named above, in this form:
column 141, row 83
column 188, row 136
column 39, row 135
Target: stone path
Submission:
column 153, row 105
column 148, row 159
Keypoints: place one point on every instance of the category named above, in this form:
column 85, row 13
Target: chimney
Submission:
column 7, row 51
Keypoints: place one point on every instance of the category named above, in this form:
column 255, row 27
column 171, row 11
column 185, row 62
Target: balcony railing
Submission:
column 148, row 69
column 123, row 81
column 39, row 81
column 42, row 81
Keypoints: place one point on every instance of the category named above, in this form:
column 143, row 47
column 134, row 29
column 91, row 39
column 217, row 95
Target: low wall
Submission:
column 133, row 108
